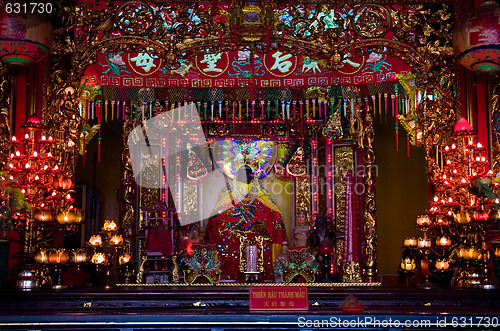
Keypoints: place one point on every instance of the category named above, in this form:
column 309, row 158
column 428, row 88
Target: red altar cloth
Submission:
column 245, row 219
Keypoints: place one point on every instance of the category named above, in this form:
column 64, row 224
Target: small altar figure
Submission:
column 322, row 242
column 281, row 262
column 246, row 212
column 301, row 230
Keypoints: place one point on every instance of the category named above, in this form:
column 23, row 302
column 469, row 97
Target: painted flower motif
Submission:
column 243, row 55
column 117, row 59
column 374, row 57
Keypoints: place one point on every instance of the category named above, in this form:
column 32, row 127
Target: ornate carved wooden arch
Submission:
column 425, row 45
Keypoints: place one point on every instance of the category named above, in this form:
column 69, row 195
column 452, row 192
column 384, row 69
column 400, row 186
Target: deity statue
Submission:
column 245, row 210
column 301, row 230
column 281, row 262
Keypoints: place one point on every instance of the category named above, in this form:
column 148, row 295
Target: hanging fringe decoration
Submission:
column 397, row 124
column 385, row 106
column 314, row 108
column 393, row 97
column 380, row 107
column 106, row 111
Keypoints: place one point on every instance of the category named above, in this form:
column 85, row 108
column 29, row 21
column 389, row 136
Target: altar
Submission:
column 190, row 144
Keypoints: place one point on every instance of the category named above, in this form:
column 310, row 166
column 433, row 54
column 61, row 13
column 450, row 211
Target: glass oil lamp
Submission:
column 443, row 241
column 442, row 264
column 109, row 226
column 95, row 240
column 408, row 264
column 116, row 240
column 410, row 242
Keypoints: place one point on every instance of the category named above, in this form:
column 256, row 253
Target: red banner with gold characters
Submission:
column 241, row 69
column 279, row 298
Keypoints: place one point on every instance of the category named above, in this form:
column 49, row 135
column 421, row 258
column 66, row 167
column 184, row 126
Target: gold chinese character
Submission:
column 211, row 61
column 144, row 60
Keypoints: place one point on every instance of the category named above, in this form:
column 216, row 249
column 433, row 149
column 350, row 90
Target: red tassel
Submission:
column 396, row 112
column 408, row 144
column 99, row 112
column 397, row 140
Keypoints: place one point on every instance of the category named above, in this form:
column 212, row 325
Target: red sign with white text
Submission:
column 240, row 70
column 279, row 298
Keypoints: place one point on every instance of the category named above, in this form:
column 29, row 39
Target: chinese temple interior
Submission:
column 217, row 165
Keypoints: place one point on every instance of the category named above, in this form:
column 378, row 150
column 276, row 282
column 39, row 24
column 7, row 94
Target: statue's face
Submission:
column 301, row 219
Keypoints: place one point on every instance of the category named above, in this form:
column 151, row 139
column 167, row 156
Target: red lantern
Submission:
column 476, row 38
column 56, row 183
column 66, row 183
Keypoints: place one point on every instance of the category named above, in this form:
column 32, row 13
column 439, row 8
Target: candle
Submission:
column 423, row 220
column 408, row 264
column 443, row 241
column 110, row 225
column 410, row 242
column 424, row 242
column 95, row 240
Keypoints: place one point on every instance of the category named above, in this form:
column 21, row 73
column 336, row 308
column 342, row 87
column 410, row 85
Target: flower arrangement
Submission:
column 13, row 206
